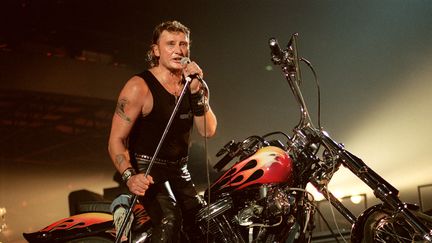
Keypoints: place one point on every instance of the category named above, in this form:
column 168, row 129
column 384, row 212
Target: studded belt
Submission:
column 145, row 159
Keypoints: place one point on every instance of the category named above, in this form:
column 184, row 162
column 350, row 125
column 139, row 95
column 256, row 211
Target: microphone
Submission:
column 186, row 60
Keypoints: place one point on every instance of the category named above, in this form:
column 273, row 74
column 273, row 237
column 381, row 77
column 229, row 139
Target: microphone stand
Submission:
column 135, row 197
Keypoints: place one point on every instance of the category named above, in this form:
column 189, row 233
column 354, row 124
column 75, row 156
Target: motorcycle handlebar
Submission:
column 291, row 69
column 232, row 149
column 242, row 149
column 222, row 162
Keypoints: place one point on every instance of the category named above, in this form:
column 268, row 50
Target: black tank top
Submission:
column 147, row 131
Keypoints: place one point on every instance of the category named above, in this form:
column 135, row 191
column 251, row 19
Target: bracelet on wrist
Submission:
column 198, row 103
column 200, row 110
column 127, row 174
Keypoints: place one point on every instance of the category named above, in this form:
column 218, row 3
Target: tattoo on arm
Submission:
column 120, row 109
column 120, row 158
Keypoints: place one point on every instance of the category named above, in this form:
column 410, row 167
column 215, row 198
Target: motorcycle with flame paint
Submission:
column 262, row 197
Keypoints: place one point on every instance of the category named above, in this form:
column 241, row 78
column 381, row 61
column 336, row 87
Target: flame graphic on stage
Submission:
column 267, row 165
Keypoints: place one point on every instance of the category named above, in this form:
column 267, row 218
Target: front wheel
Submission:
column 380, row 224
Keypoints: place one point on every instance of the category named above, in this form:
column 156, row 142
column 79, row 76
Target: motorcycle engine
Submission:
column 215, row 221
column 272, row 204
column 231, row 217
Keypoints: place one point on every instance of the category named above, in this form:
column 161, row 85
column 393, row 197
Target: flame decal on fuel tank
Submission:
column 78, row 221
column 267, row 165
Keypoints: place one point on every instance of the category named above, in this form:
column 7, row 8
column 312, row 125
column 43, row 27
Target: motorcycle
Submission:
column 262, row 197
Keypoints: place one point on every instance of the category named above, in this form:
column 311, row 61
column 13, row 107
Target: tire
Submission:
column 382, row 226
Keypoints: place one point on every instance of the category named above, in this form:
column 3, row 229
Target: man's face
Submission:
column 172, row 46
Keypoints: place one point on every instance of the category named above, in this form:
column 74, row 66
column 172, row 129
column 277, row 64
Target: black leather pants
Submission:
column 171, row 202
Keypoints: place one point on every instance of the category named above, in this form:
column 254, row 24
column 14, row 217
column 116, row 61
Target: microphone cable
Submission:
column 206, row 104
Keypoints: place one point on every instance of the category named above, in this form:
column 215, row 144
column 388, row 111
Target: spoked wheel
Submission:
column 383, row 226
column 389, row 229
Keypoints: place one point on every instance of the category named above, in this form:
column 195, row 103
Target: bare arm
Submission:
column 206, row 123
column 209, row 128
column 133, row 100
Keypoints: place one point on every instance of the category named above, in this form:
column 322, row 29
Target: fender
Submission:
column 369, row 216
column 76, row 226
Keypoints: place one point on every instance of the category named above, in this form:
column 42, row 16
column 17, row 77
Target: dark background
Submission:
column 63, row 62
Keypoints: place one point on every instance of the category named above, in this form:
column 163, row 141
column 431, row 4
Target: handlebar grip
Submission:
column 226, row 148
column 275, row 48
column 224, row 161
